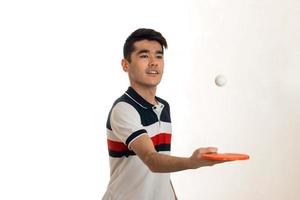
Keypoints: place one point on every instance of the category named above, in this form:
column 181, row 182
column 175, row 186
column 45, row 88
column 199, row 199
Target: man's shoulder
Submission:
column 124, row 100
column 122, row 105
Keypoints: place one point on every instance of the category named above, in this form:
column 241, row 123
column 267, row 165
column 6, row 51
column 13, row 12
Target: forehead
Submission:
column 150, row 45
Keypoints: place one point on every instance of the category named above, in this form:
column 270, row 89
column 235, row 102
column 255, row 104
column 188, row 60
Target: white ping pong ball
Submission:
column 220, row 80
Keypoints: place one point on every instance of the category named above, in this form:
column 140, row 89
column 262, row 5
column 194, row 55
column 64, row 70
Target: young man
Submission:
column 139, row 128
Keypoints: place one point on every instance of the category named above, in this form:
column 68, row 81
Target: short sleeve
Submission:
column 126, row 123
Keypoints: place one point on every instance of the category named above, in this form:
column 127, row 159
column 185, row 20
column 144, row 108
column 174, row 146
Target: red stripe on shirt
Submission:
column 162, row 138
column 116, row 146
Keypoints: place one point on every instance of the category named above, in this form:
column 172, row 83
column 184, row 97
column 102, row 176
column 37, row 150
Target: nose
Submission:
column 152, row 61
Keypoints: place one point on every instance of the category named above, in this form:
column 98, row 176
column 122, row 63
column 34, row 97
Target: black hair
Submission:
column 142, row 34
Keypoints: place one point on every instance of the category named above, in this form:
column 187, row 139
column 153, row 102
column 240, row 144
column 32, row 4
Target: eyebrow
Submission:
column 147, row 51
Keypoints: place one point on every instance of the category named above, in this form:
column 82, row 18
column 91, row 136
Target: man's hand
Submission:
column 197, row 160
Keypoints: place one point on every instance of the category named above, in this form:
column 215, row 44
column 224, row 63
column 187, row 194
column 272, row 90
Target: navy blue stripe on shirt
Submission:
column 119, row 154
column 163, row 147
column 134, row 135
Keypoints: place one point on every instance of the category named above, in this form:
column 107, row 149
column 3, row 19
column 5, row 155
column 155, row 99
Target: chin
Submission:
column 151, row 84
column 154, row 83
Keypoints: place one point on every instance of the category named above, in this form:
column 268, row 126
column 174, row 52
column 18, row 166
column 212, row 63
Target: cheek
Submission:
column 136, row 70
column 162, row 67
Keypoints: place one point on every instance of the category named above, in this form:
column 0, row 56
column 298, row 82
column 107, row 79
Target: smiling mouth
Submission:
column 152, row 72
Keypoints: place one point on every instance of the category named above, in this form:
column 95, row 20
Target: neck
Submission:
column 148, row 93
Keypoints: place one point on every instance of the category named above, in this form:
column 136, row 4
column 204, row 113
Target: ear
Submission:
column 125, row 65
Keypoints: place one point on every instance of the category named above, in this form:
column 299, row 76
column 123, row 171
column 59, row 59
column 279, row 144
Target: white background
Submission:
column 60, row 73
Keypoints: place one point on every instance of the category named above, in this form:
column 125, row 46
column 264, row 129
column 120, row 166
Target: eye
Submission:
column 159, row 56
column 143, row 56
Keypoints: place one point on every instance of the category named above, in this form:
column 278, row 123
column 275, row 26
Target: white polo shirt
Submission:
column 130, row 179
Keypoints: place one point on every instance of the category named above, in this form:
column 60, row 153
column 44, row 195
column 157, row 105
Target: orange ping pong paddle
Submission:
column 225, row 156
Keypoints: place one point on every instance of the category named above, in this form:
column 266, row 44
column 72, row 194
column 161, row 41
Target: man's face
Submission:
column 147, row 64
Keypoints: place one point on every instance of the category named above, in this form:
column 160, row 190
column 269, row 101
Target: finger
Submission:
column 212, row 149
column 209, row 150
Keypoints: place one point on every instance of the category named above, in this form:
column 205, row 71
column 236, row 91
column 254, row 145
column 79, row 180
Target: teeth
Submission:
column 152, row 72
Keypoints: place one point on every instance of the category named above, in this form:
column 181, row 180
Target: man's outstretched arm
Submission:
column 158, row 162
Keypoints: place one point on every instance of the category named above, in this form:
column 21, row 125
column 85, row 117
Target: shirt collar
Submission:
column 131, row 93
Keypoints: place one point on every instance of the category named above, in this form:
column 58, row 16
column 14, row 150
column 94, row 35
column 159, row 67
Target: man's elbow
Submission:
column 151, row 162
